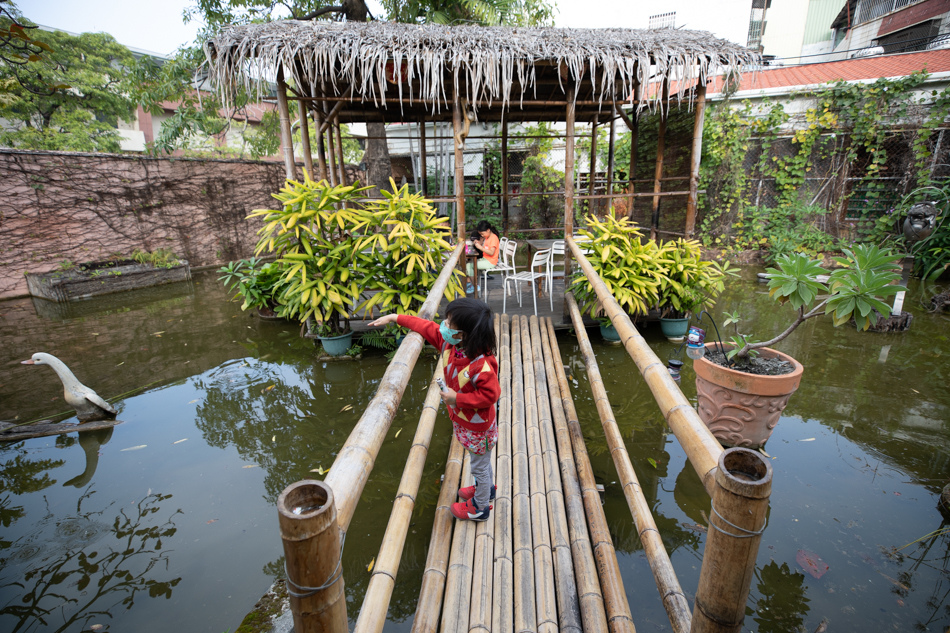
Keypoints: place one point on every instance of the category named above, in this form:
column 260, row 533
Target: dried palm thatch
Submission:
column 490, row 67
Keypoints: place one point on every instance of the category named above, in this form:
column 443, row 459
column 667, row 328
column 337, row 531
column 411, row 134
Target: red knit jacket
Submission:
column 475, row 381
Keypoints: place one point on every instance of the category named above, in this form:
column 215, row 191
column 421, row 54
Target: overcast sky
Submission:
column 157, row 26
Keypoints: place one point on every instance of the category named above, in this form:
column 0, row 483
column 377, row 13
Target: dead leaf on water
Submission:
column 211, row 521
column 652, row 461
column 319, row 470
column 250, row 466
column 96, row 627
column 193, row 401
column 158, row 333
column 811, row 562
column 397, row 433
column 346, row 408
column 762, row 450
column 268, row 388
column 371, row 563
column 914, row 390
column 94, row 333
column 122, row 363
column 133, row 448
column 807, row 439
column 273, row 439
column 184, row 439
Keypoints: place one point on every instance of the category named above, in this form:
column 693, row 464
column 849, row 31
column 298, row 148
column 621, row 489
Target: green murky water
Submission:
column 168, row 522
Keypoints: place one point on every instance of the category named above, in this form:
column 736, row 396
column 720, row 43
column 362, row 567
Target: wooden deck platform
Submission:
column 535, row 565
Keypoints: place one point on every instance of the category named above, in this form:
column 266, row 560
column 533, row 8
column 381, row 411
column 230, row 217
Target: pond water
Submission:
column 168, row 522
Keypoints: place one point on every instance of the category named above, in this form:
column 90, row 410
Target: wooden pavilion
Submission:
column 545, row 561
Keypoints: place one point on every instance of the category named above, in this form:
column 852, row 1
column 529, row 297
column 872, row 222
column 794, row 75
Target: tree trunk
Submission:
column 378, row 164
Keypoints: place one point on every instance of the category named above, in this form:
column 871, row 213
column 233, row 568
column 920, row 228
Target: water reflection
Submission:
column 90, row 442
column 76, row 570
column 20, row 476
column 782, row 604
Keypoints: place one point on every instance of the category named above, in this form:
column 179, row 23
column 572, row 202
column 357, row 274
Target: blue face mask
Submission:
column 451, row 336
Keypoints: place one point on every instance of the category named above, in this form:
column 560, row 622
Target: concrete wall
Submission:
column 57, row 206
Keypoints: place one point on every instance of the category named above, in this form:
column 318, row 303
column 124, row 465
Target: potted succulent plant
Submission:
column 688, row 284
column 743, row 388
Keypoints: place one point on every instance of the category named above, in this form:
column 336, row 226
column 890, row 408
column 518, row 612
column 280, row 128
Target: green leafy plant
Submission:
column 161, row 258
column 854, row 291
column 687, row 283
column 630, row 267
column 257, row 283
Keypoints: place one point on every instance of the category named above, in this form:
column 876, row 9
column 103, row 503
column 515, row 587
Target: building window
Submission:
column 757, row 24
column 871, row 9
column 914, row 38
column 663, row 20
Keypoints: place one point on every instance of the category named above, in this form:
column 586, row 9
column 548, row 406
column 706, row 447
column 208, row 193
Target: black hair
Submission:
column 474, row 318
column 485, row 225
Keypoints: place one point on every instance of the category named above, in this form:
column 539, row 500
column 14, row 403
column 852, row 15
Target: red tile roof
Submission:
column 847, row 70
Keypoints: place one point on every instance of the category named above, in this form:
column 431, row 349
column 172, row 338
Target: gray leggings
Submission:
column 481, row 470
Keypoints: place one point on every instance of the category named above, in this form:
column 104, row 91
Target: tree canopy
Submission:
column 68, row 93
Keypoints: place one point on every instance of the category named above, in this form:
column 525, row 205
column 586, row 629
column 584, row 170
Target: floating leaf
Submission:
column 193, row 401
column 120, row 364
column 811, row 562
column 96, row 627
column 371, row 563
column 652, row 461
column 211, row 521
column 268, row 388
column 397, row 433
column 319, row 469
column 250, row 466
column 185, row 439
column 762, row 450
column 133, row 448
column 807, row 439
column 158, row 334
column 273, row 439
column 346, row 408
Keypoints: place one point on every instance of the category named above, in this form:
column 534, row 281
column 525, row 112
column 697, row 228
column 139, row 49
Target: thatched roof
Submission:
column 405, row 71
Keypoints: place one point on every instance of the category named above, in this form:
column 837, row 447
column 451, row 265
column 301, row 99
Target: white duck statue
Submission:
column 88, row 404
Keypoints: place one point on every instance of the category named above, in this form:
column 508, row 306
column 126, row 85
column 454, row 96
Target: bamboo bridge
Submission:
column 545, row 560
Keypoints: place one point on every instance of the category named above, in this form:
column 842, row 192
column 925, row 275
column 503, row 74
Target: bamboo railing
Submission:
column 702, row 449
column 674, row 600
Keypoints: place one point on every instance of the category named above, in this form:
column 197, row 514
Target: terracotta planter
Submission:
column 742, row 409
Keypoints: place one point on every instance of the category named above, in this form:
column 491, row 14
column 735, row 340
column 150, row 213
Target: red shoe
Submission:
column 468, row 492
column 469, row 511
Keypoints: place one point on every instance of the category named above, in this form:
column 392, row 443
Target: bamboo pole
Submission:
column 593, row 613
column 339, row 151
column 545, row 598
column 526, row 618
column 590, row 595
column 701, row 447
column 568, row 604
column 458, row 143
column 569, row 160
column 592, row 185
column 740, row 505
column 354, row 462
column 317, row 123
column 305, row 139
column 634, row 140
column 331, row 157
column 432, row 590
column 458, row 580
column 422, row 158
column 504, row 173
column 619, row 618
column 312, row 553
column 381, row 584
column 503, row 579
column 286, row 136
column 610, row 164
column 674, row 600
column 695, row 156
column 660, row 148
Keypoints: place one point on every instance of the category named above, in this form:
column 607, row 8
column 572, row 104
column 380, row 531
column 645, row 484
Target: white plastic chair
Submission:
column 540, row 260
column 506, row 261
column 557, row 250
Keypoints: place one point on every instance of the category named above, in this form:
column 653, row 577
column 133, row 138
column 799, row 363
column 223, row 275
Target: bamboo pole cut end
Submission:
column 305, row 508
column 745, row 472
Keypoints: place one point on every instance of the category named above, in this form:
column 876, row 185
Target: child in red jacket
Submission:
column 466, row 340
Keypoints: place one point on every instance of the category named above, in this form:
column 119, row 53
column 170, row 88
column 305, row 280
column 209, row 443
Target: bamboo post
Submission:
column 674, row 600
column 660, row 148
column 339, row 151
column 592, row 185
column 422, row 158
column 381, row 584
column 591, row 598
column 504, row 172
column 619, row 618
column 305, row 139
column 354, row 462
column 503, row 579
column 428, row 608
column 568, row 607
column 286, row 136
column 740, row 504
column 458, row 143
column 331, row 156
column 701, row 447
column 313, row 552
column 610, row 163
column 526, row 618
column 540, row 531
column 568, row 188
column 695, row 156
column 634, row 140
